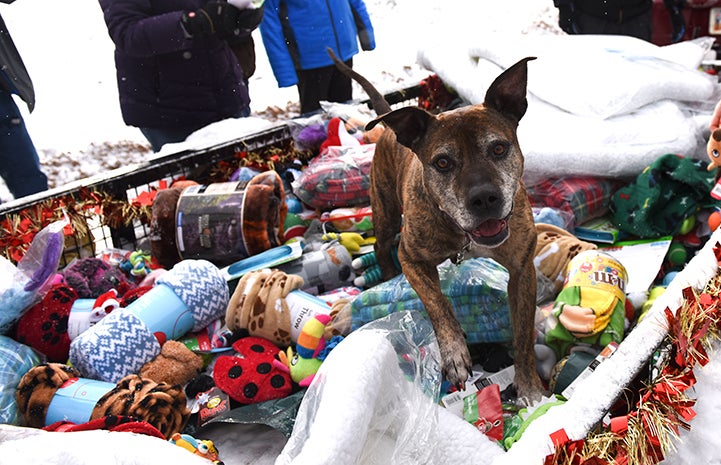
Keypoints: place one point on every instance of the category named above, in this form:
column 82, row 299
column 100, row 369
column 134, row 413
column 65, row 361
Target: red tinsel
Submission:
column 644, row 434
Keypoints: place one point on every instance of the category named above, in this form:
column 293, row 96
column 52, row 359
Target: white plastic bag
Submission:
column 375, row 400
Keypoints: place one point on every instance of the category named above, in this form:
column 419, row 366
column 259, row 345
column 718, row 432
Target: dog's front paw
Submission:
column 456, row 362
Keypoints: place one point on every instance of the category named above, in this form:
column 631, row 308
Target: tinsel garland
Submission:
column 273, row 157
column 435, row 95
column 17, row 230
column 645, row 435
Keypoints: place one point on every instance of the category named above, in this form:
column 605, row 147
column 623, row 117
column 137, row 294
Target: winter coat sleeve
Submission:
column 136, row 31
column 366, row 35
column 271, row 31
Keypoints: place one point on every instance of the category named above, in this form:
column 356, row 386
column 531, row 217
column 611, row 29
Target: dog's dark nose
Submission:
column 483, row 198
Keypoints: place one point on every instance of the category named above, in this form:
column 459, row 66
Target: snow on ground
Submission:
column 77, row 127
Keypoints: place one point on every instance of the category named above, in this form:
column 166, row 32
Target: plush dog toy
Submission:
column 202, row 447
column 249, row 376
column 80, row 400
column 311, row 351
column 554, row 249
column 591, row 307
column 713, row 149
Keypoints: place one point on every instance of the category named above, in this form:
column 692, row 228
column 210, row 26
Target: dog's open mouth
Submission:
column 490, row 232
column 490, row 228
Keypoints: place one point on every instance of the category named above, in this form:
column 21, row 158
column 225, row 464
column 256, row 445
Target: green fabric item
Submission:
column 561, row 340
column 668, row 191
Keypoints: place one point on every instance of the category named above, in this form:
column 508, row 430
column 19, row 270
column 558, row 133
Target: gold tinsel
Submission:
column 653, row 428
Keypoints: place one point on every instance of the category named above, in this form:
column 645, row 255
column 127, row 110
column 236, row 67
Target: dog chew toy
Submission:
column 311, row 351
column 352, row 241
column 322, row 270
column 186, row 298
column 268, row 303
column 349, row 219
column 53, row 392
column 591, row 307
column 250, row 376
column 91, row 277
column 713, row 150
column 175, row 364
column 202, row 447
column 44, row 326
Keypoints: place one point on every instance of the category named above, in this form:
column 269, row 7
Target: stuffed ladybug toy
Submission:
column 249, row 376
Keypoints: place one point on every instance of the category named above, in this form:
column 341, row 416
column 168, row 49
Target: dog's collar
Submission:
column 461, row 255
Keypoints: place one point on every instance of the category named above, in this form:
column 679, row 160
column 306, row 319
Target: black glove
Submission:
column 216, row 17
column 250, row 19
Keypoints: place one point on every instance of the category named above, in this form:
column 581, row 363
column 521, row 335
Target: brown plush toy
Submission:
column 713, row 149
column 175, row 364
column 258, row 305
column 554, row 249
column 160, row 404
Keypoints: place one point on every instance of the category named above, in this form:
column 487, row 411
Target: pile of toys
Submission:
column 247, row 285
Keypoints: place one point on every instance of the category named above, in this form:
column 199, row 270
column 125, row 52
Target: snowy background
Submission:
column 77, row 127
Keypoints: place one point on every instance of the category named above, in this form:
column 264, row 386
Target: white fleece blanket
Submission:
column 598, row 105
column 362, row 409
column 32, row 446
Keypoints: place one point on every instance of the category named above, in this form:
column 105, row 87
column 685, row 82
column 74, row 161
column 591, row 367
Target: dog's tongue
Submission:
column 489, row 228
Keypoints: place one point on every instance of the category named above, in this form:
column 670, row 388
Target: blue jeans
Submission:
column 19, row 161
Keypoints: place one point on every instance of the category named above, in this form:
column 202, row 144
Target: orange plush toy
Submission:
column 713, row 149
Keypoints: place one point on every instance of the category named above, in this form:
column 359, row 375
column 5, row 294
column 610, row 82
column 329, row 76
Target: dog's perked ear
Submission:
column 507, row 94
column 408, row 123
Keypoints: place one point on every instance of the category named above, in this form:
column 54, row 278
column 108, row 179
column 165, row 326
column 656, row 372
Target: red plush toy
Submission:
column 44, row 327
column 249, row 376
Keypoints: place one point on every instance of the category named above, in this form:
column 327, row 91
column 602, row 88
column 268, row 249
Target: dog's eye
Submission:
column 442, row 163
column 499, row 149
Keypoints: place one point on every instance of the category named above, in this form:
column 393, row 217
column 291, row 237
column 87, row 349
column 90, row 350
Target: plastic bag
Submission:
column 15, row 360
column 339, row 178
column 476, row 289
column 22, row 285
column 370, row 397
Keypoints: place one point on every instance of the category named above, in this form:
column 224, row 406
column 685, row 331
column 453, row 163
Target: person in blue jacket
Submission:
column 19, row 161
column 296, row 34
column 176, row 71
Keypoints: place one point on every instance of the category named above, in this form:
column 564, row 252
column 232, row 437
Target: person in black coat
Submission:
column 19, row 161
column 176, row 71
column 622, row 17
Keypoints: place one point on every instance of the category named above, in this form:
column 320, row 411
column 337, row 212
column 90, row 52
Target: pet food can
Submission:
column 209, row 222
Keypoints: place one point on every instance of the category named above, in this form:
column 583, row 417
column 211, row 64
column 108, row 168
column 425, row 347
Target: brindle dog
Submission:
column 451, row 184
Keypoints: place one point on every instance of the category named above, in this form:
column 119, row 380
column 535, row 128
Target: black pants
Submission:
column 325, row 83
column 637, row 26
